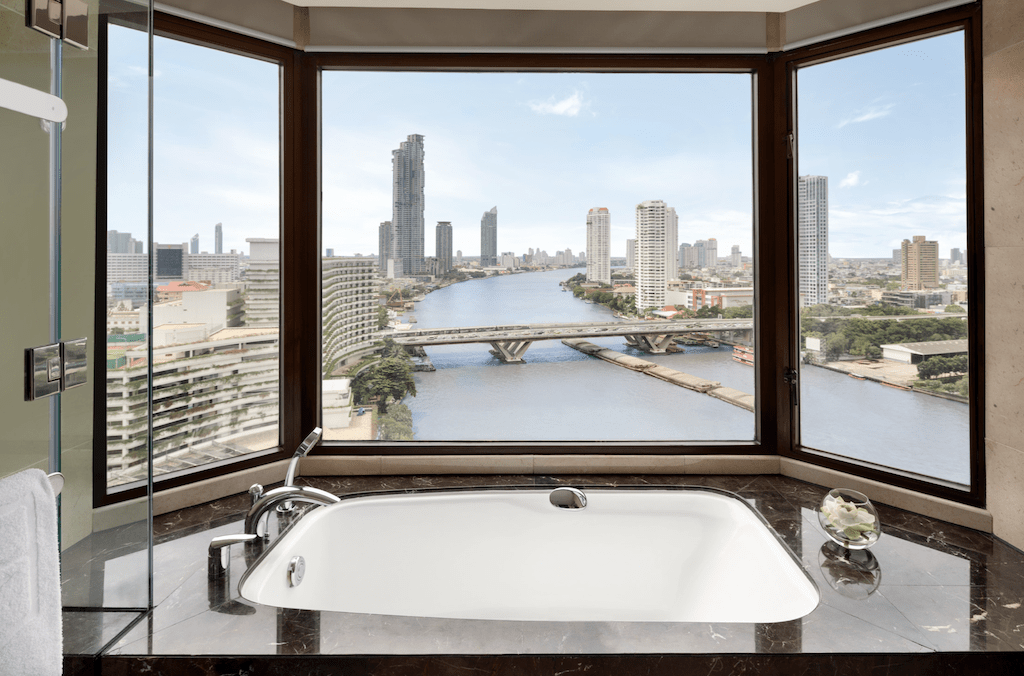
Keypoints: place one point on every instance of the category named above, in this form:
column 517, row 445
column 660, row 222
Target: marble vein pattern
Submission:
column 938, row 588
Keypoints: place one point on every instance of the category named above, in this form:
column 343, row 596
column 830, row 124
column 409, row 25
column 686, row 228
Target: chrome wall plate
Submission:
column 76, row 23
column 76, row 359
column 42, row 371
column 45, row 16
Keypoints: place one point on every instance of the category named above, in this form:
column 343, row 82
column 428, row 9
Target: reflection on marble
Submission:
column 942, row 588
column 87, row 632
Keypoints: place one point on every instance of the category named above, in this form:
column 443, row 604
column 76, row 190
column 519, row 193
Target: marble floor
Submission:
column 929, row 589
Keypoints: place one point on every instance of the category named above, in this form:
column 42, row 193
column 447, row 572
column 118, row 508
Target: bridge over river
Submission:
column 511, row 341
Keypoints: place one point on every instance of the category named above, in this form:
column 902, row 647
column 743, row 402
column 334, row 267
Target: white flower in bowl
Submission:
column 853, row 521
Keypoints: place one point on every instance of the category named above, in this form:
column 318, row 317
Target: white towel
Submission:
column 30, row 612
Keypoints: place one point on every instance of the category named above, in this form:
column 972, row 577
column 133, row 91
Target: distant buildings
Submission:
column 957, row 256
column 736, row 259
column 329, row 253
column 671, row 243
column 122, row 243
column 599, row 240
column 384, row 237
column 653, row 220
column 920, row 264
column 218, row 238
column 407, row 212
column 443, row 246
column 489, row 238
column 194, row 244
column 631, row 254
column 813, row 239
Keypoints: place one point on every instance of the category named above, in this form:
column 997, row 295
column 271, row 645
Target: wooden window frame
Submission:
column 774, row 183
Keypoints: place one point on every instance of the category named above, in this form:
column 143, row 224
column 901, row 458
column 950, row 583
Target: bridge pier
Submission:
column 510, row 351
column 649, row 343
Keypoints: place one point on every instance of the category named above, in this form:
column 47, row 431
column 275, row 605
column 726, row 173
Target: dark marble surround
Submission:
column 934, row 598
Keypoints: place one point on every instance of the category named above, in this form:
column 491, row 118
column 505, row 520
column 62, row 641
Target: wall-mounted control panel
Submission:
column 50, row 369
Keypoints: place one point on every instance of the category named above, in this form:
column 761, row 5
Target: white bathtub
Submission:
column 632, row 555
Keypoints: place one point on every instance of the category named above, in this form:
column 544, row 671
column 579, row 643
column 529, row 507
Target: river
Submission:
column 560, row 394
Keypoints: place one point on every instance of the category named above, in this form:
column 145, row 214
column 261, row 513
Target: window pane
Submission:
column 883, row 266
column 511, row 201
column 216, row 224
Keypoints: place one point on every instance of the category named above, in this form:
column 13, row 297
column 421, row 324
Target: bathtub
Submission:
column 631, row 555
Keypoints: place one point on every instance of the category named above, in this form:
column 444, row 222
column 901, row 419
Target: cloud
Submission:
column 869, row 113
column 852, row 179
column 570, row 105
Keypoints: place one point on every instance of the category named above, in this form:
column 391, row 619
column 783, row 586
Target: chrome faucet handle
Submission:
column 255, row 493
column 218, row 558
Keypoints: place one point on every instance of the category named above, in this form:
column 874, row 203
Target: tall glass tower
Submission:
column 599, row 241
column 813, row 230
column 407, row 212
column 489, row 238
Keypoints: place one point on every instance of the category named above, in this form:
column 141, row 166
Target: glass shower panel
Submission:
column 109, row 570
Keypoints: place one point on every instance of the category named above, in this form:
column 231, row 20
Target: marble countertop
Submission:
column 942, row 589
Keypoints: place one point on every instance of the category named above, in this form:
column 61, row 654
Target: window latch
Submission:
column 790, row 376
column 790, row 144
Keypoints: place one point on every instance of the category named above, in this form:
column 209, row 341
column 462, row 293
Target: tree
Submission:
column 836, row 346
column 955, row 308
column 396, row 424
column 382, row 317
column 391, row 379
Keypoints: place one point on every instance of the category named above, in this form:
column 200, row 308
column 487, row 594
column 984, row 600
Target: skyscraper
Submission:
column 920, row 260
column 711, row 252
column 407, row 212
column 955, row 256
column 194, row 244
column 218, row 239
column 671, row 243
column 384, row 245
column 736, row 258
column 813, row 235
column 599, row 241
column 631, row 254
column 443, row 246
column 653, row 220
column 489, row 238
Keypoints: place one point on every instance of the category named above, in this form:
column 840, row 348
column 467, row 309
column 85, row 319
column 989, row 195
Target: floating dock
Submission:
column 690, row 382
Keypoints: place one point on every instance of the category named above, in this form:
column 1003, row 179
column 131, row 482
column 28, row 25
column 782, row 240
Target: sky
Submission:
column 886, row 127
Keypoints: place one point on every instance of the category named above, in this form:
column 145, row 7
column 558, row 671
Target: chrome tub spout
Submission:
column 282, row 495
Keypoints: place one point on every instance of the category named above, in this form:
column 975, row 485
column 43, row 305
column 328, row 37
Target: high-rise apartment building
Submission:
column 956, row 256
column 263, row 283
column 631, row 254
column 329, row 253
column 736, row 259
column 710, row 252
column 443, row 246
column 385, row 236
column 193, row 247
column 489, row 238
column 218, row 238
column 407, row 207
column 653, row 221
column 812, row 208
column 920, row 259
column 671, row 244
column 599, row 242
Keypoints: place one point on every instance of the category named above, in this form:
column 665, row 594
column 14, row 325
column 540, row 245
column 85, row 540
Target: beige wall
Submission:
column 1003, row 45
column 24, row 258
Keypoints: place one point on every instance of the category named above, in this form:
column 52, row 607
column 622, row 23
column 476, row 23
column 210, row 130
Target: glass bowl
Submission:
column 849, row 519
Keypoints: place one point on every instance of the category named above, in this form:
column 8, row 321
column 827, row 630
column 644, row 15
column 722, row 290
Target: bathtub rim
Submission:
column 250, row 567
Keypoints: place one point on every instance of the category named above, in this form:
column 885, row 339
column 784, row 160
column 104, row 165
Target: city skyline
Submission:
column 568, row 113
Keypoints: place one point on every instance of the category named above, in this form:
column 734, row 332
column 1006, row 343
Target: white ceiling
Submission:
column 582, row 5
